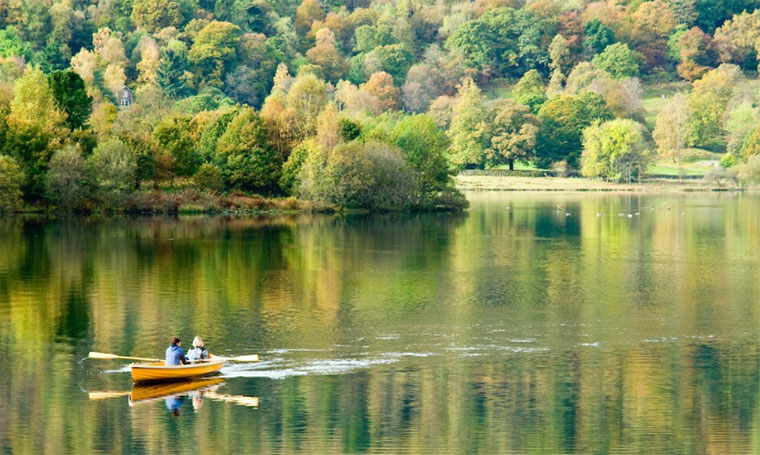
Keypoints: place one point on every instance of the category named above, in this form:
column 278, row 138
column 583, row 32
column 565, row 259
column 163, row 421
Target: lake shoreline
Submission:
column 582, row 185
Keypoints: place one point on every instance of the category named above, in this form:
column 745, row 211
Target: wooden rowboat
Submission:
column 157, row 371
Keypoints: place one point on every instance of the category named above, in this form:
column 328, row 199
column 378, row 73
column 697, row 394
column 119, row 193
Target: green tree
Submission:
column 368, row 37
column 172, row 74
column 619, row 61
column 741, row 122
column 71, row 96
column 245, row 156
column 425, row 145
column 292, row 167
column 504, row 42
column 530, row 91
column 174, row 135
column 615, row 150
column 11, row 44
column 598, row 36
column 711, row 14
column 468, row 127
column 395, row 59
column 513, row 131
column 563, row 119
column 11, row 179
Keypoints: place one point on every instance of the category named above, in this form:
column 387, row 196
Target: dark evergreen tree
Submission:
column 171, row 73
column 71, row 96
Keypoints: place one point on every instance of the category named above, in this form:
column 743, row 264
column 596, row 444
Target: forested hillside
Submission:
column 359, row 103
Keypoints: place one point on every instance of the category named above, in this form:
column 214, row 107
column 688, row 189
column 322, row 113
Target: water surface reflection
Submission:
column 548, row 323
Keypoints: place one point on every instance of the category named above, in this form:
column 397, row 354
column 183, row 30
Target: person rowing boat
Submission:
column 174, row 353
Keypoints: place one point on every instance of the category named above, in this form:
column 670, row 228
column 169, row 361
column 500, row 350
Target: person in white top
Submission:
column 198, row 352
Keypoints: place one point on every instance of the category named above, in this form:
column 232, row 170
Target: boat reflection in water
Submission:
column 174, row 394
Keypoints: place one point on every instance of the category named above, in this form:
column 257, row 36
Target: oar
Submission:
column 104, row 395
column 240, row 358
column 237, row 399
column 104, row 355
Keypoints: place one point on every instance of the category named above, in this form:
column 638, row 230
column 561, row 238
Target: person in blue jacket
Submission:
column 174, row 353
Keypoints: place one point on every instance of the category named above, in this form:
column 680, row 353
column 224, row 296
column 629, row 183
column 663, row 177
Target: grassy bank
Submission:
column 185, row 201
column 481, row 182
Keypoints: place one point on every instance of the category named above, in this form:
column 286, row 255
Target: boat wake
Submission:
column 280, row 368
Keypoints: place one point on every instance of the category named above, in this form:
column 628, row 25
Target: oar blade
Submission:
column 105, row 395
column 102, row 355
column 240, row 358
column 246, row 358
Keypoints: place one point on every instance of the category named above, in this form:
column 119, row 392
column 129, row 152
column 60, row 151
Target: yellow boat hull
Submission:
column 157, row 371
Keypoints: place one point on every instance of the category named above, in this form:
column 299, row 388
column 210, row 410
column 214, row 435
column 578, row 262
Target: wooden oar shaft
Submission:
column 105, row 355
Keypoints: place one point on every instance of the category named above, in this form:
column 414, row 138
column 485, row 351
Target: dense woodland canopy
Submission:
column 362, row 103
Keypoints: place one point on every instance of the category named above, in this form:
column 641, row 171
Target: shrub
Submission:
column 67, row 182
column 749, row 173
column 114, row 166
column 209, row 177
column 11, row 179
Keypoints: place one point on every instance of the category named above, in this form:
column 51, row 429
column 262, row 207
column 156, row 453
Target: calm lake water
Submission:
column 532, row 323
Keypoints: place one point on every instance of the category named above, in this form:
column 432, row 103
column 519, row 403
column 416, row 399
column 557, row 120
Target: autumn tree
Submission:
column 738, row 39
column 153, row 15
column 653, row 23
column 696, row 52
column 326, row 55
column 307, row 13
column 380, row 85
column 671, row 130
column 707, row 106
column 214, row 50
column 304, row 101
column 36, row 127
